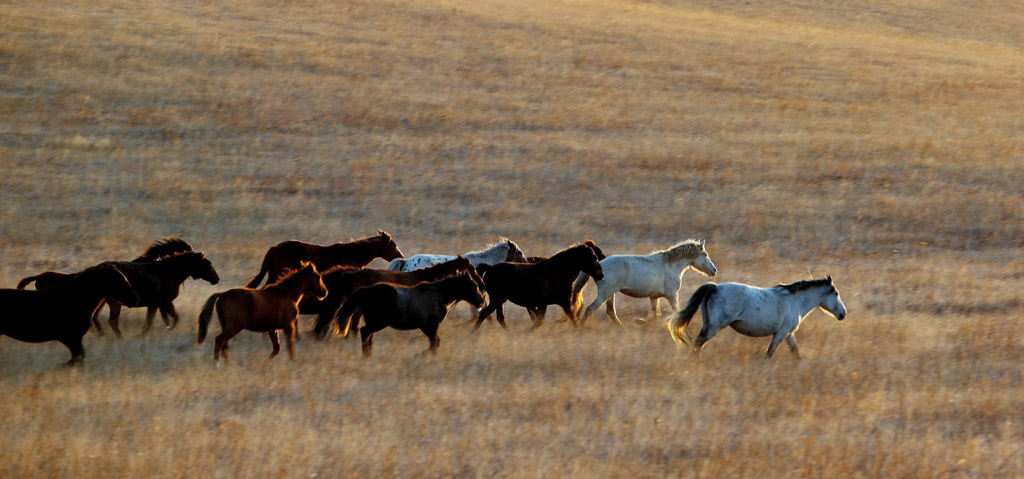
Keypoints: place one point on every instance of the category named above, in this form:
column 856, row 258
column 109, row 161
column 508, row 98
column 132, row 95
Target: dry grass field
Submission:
column 880, row 141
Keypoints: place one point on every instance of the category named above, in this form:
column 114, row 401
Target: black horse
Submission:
column 158, row 283
column 534, row 286
column 420, row 307
column 63, row 312
column 165, row 248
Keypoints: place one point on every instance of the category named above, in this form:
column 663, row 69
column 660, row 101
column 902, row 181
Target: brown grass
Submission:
column 879, row 141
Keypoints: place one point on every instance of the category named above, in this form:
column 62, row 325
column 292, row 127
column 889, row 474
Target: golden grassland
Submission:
column 879, row 141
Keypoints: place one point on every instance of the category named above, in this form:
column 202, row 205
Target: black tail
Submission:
column 347, row 310
column 677, row 322
column 205, row 314
column 264, row 268
column 325, row 317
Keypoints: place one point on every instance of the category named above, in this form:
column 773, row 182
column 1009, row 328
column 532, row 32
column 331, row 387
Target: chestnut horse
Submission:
column 63, row 311
column 262, row 310
column 537, row 285
column 420, row 307
column 290, row 254
column 341, row 285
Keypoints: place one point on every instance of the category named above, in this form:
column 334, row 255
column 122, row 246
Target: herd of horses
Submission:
column 333, row 283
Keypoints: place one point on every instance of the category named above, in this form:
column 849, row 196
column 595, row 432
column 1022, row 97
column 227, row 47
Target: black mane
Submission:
column 805, row 285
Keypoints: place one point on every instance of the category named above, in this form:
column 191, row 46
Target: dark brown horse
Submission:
column 342, row 284
column 290, row 254
column 158, row 284
column 169, row 246
column 262, row 310
column 537, row 285
column 62, row 312
column 420, row 307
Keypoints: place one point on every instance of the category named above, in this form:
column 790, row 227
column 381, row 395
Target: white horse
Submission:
column 504, row 251
column 656, row 275
column 752, row 311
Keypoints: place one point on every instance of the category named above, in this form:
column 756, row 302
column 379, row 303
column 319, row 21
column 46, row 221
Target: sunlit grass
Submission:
column 878, row 142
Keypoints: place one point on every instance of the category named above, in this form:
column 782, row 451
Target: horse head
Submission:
column 389, row 250
column 831, row 302
column 470, row 289
column 591, row 263
column 514, row 254
column 314, row 281
column 204, row 270
column 702, row 262
column 597, row 251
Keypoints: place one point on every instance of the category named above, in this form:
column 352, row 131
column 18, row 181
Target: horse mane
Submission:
column 168, row 246
column 684, row 249
column 798, row 286
column 288, row 276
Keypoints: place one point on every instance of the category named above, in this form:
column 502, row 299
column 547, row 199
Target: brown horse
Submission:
column 420, row 307
column 262, row 310
column 537, row 285
column 342, row 284
column 62, row 312
column 290, row 254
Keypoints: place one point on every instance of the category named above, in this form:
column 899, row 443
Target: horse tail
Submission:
column 577, row 292
column 347, row 310
column 677, row 322
column 205, row 314
column 264, row 268
column 325, row 316
column 23, row 283
column 396, row 265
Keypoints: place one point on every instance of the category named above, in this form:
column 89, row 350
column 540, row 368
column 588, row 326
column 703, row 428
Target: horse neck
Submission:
column 362, row 251
column 567, row 262
column 806, row 300
column 174, row 268
column 449, row 290
column 292, row 286
column 493, row 255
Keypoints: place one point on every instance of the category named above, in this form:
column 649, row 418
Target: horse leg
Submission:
column 290, row 334
column 609, row 309
column 74, row 344
column 571, row 314
column 484, row 313
column 431, row 331
column 95, row 318
column 367, row 334
column 168, row 309
column 538, row 318
column 500, row 314
column 150, row 313
column 655, row 311
column 220, row 346
column 791, row 340
column 115, row 315
column 275, row 342
column 776, row 340
column 596, row 303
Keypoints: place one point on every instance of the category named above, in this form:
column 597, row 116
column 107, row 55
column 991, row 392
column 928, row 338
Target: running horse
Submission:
column 422, row 307
column 537, row 285
column 752, row 311
column 656, row 275
column 267, row 310
column 343, row 283
column 290, row 254
column 63, row 312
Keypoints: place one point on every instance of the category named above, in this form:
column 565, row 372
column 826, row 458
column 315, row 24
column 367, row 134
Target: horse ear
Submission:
column 702, row 243
column 829, row 278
